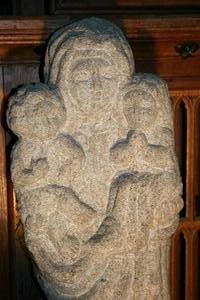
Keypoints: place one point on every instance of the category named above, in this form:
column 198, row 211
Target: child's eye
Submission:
column 107, row 75
column 131, row 109
column 82, row 77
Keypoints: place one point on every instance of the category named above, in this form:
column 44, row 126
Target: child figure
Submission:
column 148, row 154
column 35, row 115
column 45, row 163
column 149, row 146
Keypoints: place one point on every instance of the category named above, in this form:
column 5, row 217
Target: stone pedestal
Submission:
column 94, row 169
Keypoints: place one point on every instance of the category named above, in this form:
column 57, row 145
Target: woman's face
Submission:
column 94, row 82
column 140, row 109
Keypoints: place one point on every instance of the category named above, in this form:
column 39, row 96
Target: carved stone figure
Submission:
column 94, row 169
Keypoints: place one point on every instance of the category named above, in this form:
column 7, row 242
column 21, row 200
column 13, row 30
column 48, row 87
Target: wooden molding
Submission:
column 153, row 40
column 119, row 6
column 34, row 30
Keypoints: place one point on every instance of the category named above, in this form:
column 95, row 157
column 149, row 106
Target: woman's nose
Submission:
column 96, row 81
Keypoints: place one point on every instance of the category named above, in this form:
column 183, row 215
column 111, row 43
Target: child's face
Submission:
column 36, row 117
column 139, row 109
column 94, row 81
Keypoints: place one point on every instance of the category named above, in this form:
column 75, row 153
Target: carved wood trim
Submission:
column 190, row 224
column 28, row 30
column 190, row 230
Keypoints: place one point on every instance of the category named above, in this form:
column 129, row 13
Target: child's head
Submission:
column 35, row 112
column 139, row 109
column 146, row 103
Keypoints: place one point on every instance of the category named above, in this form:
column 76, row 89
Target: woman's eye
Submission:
column 107, row 75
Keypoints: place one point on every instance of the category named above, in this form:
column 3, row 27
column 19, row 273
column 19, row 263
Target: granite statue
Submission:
column 94, row 169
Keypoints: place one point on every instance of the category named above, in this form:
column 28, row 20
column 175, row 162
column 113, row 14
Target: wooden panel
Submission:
column 185, row 262
column 187, row 129
column 197, row 266
column 24, row 42
column 116, row 6
column 4, row 230
column 28, row 8
column 16, row 75
column 122, row 3
column 6, row 7
column 197, row 159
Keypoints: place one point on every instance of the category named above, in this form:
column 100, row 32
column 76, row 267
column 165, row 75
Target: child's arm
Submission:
column 27, row 166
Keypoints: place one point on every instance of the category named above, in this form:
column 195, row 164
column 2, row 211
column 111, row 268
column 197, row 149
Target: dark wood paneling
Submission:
column 28, row 8
column 4, row 228
column 5, row 7
column 121, row 3
column 63, row 5
column 187, row 139
column 118, row 6
column 153, row 41
column 66, row 7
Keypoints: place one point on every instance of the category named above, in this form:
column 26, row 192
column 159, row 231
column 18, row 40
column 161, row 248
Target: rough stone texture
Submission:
column 94, row 169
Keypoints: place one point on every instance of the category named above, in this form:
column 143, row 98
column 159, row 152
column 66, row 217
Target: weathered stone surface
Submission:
column 94, row 169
